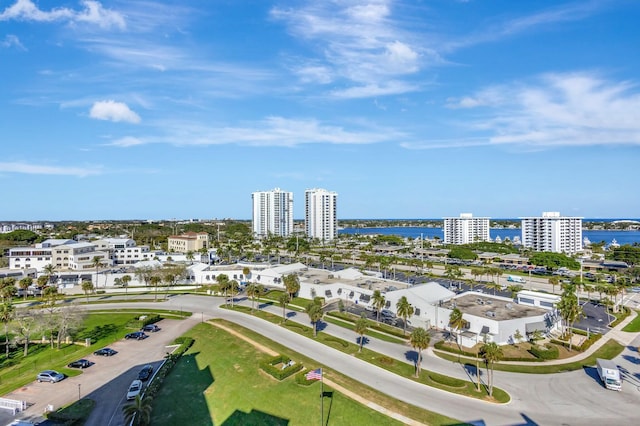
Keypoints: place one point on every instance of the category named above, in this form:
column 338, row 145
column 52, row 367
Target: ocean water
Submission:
column 621, row 237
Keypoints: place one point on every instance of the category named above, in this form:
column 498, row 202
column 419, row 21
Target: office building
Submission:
column 272, row 213
column 466, row 229
column 188, row 242
column 320, row 217
column 553, row 233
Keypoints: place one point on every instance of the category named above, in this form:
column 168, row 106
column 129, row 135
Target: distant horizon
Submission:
column 197, row 220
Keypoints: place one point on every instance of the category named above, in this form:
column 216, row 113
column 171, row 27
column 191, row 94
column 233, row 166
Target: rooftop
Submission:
column 496, row 308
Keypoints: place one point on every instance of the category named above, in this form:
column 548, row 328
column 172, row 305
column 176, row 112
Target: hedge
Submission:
column 156, row 382
column 585, row 345
column 374, row 326
column 269, row 366
column 443, row 347
column 549, row 352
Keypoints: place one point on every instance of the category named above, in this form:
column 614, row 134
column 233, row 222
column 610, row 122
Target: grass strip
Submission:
column 609, row 350
column 634, row 325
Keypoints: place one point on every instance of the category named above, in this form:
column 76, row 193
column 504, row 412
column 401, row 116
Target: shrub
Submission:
column 585, row 345
column 301, row 378
column 545, row 353
column 151, row 319
column 385, row 360
column 340, row 342
column 269, row 366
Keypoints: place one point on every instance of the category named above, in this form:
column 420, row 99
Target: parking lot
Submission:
column 106, row 381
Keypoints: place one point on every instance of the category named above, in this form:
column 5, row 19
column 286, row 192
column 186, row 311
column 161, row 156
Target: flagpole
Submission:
column 321, row 397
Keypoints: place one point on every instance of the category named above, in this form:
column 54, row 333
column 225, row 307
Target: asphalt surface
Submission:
column 572, row 398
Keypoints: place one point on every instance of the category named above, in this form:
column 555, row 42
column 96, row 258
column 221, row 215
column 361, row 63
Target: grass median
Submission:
column 609, row 350
column 402, row 368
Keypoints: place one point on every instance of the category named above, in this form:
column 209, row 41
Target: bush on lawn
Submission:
column 545, row 352
column 269, row 367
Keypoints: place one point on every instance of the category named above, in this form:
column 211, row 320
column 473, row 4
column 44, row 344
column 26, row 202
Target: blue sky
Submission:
column 407, row 109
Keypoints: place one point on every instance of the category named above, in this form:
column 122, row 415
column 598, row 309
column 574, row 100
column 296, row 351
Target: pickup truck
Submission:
column 609, row 374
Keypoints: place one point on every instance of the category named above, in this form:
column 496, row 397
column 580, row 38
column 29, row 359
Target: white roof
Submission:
column 147, row 264
column 539, row 295
column 348, row 274
column 430, row 293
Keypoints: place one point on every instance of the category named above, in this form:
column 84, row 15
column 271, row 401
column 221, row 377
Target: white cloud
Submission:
column 357, row 41
column 271, row 131
column 92, row 13
column 113, row 111
column 11, row 40
column 371, row 90
column 36, row 169
column 573, row 109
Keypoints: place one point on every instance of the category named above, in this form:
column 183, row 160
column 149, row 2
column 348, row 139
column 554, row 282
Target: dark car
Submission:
column 81, row 363
column 105, row 352
column 151, row 327
column 138, row 335
column 145, row 373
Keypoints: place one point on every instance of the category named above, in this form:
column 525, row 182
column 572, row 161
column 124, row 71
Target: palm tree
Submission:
column 190, row 256
column 253, row 290
column 155, row 281
column 6, row 315
column 419, row 339
column 24, row 285
column 361, row 327
column 49, row 270
column 138, row 412
column 491, row 353
column 292, row 284
column 570, row 310
column 225, row 285
column 554, row 281
column 405, row 310
column 87, row 287
column 126, row 279
column 315, row 312
column 96, row 262
column 457, row 322
column 378, row 302
column 284, row 300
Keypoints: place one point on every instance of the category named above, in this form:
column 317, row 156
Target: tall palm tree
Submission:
column 405, row 310
column 570, row 310
column 361, row 326
column 49, row 270
column 378, row 302
column 284, row 300
column 96, row 262
column 139, row 411
column 419, row 339
column 126, row 279
column 6, row 315
column 292, row 284
column 155, row 281
column 190, row 256
column 457, row 322
column 87, row 287
column 315, row 312
column 491, row 353
column 225, row 285
column 254, row 290
column 554, row 281
column 24, row 285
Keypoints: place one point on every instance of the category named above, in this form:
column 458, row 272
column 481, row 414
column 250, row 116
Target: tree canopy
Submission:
column 553, row 260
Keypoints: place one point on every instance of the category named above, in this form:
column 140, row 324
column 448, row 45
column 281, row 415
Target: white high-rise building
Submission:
column 320, row 219
column 553, row 233
column 466, row 229
column 272, row 213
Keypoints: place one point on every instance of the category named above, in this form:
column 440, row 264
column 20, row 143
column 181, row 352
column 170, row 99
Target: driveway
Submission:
column 106, row 381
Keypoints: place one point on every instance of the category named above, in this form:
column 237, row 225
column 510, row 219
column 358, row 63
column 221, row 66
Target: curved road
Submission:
column 574, row 398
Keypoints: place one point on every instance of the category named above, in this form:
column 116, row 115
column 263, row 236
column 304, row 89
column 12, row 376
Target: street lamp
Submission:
column 78, row 391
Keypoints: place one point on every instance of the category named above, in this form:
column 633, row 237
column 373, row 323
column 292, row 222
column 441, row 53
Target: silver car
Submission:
column 49, row 376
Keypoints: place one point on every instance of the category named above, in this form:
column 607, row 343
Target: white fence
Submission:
column 13, row 405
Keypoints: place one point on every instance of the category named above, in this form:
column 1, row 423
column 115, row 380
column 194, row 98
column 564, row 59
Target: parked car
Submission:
column 151, row 327
column 145, row 373
column 386, row 313
column 134, row 389
column 138, row 335
column 105, row 352
column 81, row 363
column 51, row 376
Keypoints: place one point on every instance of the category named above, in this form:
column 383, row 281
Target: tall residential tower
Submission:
column 320, row 219
column 553, row 233
column 272, row 213
column 466, row 229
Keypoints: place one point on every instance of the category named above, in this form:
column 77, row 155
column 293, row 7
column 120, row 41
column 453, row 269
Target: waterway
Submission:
column 621, row 237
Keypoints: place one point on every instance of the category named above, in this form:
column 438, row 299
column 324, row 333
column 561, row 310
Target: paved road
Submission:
column 574, row 398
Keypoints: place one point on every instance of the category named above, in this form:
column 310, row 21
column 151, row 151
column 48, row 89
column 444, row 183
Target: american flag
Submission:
column 314, row 374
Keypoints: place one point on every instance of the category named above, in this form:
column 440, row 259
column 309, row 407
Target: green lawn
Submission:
column 219, row 381
column 633, row 326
